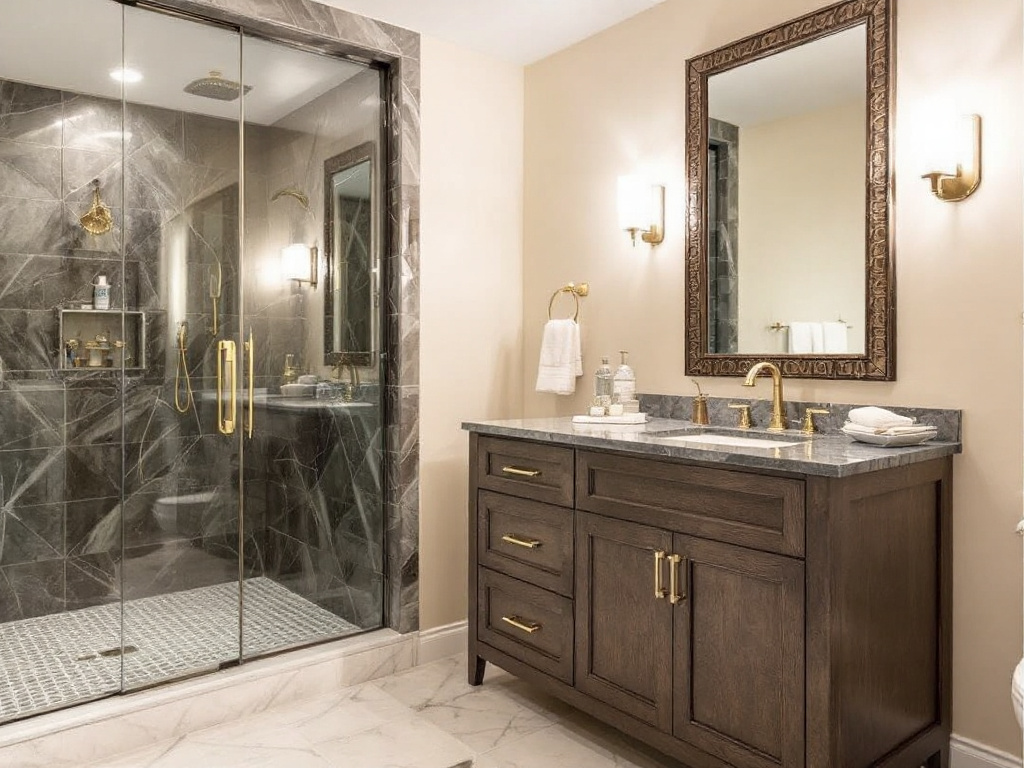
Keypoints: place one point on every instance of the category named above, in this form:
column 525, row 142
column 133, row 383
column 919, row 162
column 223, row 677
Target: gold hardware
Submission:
column 348, row 391
column 700, row 406
column 961, row 183
column 519, row 623
column 216, row 284
column 808, row 424
column 290, row 374
column 291, row 265
column 778, row 423
column 510, row 470
column 527, row 543
column 250, row 351
column 181, row 371
column 659, row 588
column 638, row 217
column 673, row 578
column 295, row 192
column 744, row 415
column 780, row 327
column 97, row 220
column 226, row 357
column 577, row 291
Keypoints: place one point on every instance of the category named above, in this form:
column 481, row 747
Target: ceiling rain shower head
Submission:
column 216, row 87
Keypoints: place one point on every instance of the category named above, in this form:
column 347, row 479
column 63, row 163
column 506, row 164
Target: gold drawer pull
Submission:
column 515, row 621
column 510, row 470
column 673, row 577
column 659, row 589
column 513, row 539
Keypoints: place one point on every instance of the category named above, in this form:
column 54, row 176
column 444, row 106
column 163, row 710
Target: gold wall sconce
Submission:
column 962, row 172
column 299, row 262
column 642, row 209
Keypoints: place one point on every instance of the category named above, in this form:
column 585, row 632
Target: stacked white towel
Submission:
column 817, row 338
column 872, row 420
column 834, row 338
column 561, row 359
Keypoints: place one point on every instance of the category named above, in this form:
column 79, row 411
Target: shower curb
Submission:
column 122, row 723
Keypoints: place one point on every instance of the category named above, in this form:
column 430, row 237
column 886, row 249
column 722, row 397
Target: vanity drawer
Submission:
column 526, row 539
column 752, row 510
column 526, row 622
column 530, row 470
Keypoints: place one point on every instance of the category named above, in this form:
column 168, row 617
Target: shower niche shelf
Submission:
column 91, row 340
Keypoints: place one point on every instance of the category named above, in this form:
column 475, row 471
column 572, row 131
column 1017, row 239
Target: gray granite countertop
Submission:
column 830, row 455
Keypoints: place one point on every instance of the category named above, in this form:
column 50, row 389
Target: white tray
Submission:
column 892, row 441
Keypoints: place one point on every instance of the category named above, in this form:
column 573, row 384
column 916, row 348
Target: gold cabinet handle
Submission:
column 673, row 574
column 226, row 360
column 250, row 351
column 521, row 624
column 513, row 539
column 510, row 470
column 659, row 589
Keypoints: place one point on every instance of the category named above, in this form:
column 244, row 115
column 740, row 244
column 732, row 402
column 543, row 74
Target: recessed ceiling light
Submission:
column 126, row 75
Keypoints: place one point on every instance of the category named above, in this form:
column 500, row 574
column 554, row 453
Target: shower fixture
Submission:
column 97, row 220
column 295, row 192
column 216, row 284
column 181, row 371
column 215, row 86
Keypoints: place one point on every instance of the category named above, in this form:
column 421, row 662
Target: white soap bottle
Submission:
column 603, row 383
column 101, row 293
column 624, row 383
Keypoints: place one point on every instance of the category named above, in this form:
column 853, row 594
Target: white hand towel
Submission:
column 878, row 418
column 834, row 336
column 910, row 429
column 561, row 360
column 801, row 338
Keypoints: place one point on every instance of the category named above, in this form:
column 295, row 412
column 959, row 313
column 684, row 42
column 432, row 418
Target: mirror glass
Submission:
column 788, row 254
column 786, row 159
column 352, row 263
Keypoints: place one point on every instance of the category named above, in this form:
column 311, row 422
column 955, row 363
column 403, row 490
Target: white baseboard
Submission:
column 441, row 642
column 965, row 753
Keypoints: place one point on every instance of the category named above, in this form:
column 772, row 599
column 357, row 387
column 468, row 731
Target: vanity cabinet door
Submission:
column 623, row 631
column 739, row 653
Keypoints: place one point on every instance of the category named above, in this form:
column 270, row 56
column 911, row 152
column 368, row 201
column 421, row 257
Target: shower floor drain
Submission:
column 43, row 667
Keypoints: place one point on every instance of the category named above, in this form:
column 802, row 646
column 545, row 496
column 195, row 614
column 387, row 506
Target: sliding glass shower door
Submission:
column 191, row 457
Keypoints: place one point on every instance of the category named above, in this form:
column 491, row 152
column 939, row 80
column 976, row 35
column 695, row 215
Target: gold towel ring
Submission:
column 583, row 289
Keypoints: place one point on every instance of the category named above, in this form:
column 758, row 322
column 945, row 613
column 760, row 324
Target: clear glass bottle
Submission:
column 624, row 382
column 604, row 386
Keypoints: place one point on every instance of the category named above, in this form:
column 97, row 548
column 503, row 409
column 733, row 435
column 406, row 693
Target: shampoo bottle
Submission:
column 624, row 384
column 603, row 383
column 101, row 293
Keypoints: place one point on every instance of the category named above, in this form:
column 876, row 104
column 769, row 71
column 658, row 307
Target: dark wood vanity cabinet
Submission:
column 727, row 617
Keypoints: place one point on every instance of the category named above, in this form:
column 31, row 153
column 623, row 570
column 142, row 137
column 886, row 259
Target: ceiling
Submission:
column 823, row 73
column 519, row 31
column 169, row 52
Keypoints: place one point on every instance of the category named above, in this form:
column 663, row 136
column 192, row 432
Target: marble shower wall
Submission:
column 723, row 236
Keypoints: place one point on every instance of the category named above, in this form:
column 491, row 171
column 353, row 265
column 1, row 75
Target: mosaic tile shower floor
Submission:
column 52, row 661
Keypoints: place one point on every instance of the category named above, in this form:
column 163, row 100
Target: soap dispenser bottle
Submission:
column 101, row 293
column 624, row 384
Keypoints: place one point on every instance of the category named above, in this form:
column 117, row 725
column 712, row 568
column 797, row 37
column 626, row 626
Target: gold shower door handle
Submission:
column 226, row 359
column 250, row 351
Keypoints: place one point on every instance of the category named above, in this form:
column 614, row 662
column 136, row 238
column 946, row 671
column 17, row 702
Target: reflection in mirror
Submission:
column 786, row 209
column 788, row 165
column 352, row 263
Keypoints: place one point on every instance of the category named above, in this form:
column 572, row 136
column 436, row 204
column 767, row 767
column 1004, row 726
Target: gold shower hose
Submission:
column 181, row 371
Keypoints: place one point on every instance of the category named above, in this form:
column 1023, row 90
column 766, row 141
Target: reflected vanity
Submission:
column 789, row 255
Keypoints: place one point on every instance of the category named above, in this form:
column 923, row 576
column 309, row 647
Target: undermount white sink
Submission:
column 736, row 442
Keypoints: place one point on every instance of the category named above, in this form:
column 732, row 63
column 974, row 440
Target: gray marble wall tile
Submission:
column 32, row 417
column 29, row 172
column 92, row 580
column 31, row 226
column 31, row 589
column 30, row 534
column 30, row 114
column 27, row 340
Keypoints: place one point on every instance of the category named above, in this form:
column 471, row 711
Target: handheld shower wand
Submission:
column 181, row 371
column 216, row 283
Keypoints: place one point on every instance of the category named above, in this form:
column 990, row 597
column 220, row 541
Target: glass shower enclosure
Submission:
column 190, row 468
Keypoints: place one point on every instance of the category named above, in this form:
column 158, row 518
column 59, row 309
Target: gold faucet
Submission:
column 290, row 374
column 348, row 389
column 778, row 423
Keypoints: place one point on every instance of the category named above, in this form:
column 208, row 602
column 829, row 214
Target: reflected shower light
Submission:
column 126, row 75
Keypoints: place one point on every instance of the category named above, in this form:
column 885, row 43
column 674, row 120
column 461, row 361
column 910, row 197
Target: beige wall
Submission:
column 615, row 103
column 801, row 213
column 471, row 293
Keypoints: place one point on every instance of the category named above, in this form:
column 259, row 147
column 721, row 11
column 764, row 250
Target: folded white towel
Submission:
column 801, row 338
column 910, row 429
column 561, row 360
column 878, row 418
column 834, row 338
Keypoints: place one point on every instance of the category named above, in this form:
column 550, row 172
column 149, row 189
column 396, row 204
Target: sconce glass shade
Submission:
column 956, row 158
column 641, row 209
column 298, row 262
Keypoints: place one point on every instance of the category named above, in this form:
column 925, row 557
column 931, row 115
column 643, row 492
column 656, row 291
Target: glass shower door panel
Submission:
column 60, row 424
column 312, row 465
column 180, row 571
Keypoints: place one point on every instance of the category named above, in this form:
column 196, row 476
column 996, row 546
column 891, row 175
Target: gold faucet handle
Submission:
column 808, row 427
column 744, row 414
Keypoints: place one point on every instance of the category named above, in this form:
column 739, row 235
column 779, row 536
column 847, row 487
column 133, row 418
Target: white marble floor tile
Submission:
column 407, row 743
